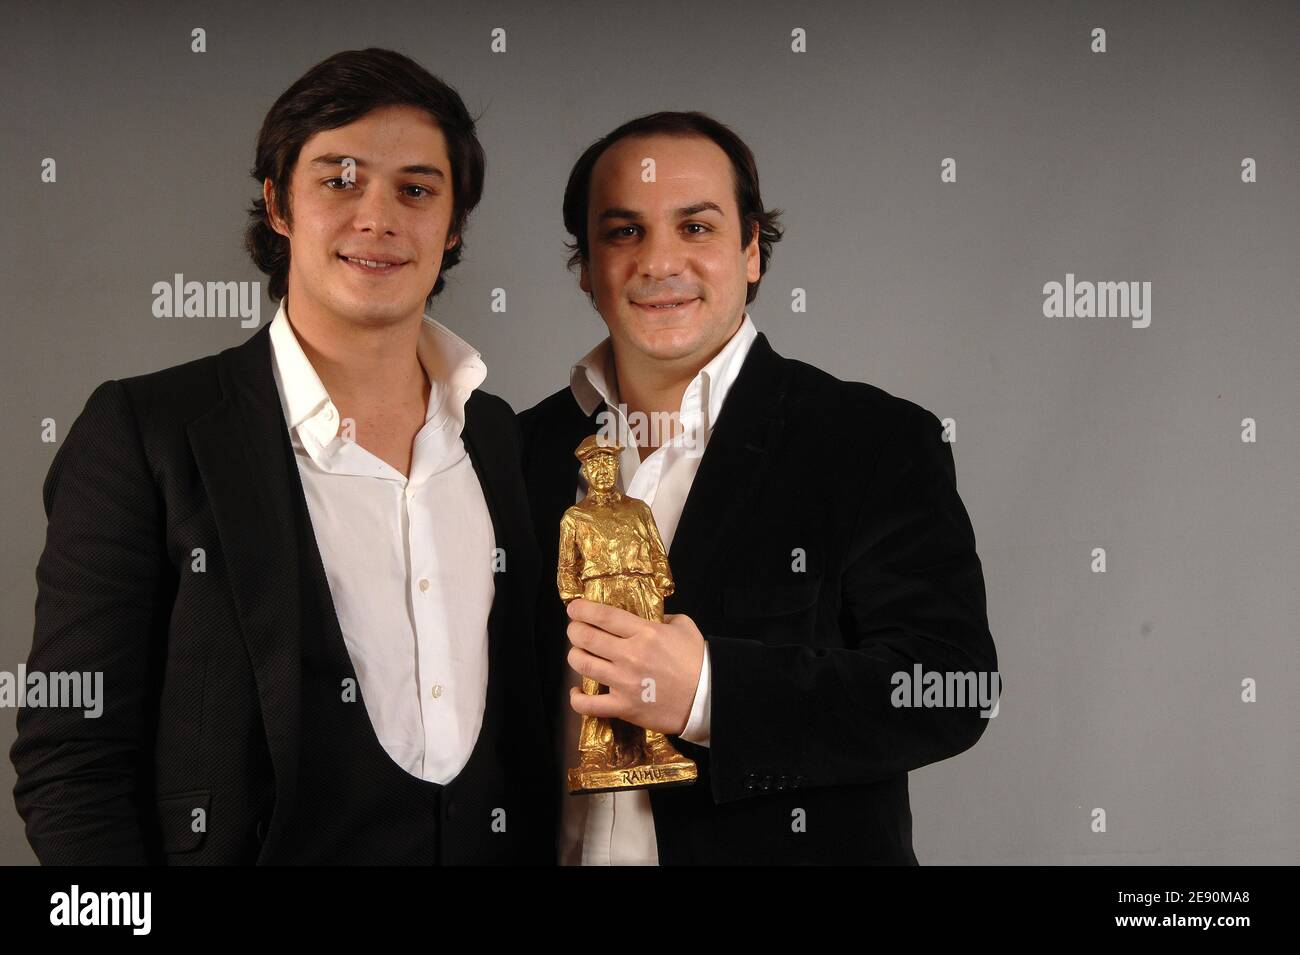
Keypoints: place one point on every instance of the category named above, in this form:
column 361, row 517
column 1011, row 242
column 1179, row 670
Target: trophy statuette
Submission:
column 611, row 553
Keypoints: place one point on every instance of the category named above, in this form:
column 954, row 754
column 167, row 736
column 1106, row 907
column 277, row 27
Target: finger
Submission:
column 620, row 623
column 594, row 640
column 603, row 705
column 589, row 665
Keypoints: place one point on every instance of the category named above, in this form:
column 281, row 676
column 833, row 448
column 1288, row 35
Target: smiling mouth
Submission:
column 370, row 265
column 667, row 306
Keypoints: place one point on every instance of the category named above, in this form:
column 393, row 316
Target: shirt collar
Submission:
column 592, row 378
column 454, row 369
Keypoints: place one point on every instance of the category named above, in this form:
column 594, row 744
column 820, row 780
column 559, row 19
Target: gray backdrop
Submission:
column 1123, row 688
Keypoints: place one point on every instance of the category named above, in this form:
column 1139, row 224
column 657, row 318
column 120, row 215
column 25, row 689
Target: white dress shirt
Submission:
column 408, row 559
column 618, row 828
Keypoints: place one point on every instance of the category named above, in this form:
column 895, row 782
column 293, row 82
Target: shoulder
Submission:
column 844, row 409
column 576, row 513
column 155, row 403
column 813, row 387
column 178, row 389
column 551, row 429
column 880, row 445
column 641, row 507
column 871, row 430
column 125, row 420
column 559, row 406
column 494, row 409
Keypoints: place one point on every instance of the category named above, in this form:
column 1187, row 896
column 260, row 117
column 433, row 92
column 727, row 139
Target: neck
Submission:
column 361, row 365
column 603, row 497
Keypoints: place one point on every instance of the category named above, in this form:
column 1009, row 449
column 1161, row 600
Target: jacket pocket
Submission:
column 177, row 819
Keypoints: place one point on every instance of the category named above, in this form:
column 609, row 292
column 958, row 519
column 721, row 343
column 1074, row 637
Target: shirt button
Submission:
column 437, row 690
column 424, row 584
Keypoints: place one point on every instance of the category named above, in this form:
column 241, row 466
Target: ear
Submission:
column 272, row 211
column 268, row 198
column 453, row 240
column 753, row 261
column 584, row 278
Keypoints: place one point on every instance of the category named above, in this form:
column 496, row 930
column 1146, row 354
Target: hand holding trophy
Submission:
column 611, row 553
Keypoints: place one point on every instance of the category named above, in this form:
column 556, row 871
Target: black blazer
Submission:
column 202, row 671
column 861, row 484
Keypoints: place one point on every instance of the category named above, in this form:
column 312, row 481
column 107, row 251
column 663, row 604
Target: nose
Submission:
column 376, row 211
column 660, row 255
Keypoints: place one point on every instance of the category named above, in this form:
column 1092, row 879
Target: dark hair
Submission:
column 577, row 193
column 338, row 91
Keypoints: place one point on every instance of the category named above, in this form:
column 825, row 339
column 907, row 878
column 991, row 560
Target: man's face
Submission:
column 673, row 242
column 601, row 471
column 398, row 209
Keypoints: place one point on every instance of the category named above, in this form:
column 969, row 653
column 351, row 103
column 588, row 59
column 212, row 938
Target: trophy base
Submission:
column 682, row 772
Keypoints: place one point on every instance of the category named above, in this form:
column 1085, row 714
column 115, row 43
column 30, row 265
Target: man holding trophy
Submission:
column 816, row 540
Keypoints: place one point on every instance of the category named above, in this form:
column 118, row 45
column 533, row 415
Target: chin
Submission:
column 670, row 354
column 667, row 344
column 379, row 308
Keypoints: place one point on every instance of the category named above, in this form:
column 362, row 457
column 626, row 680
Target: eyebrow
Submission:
column 335, row 159
column 618, row 212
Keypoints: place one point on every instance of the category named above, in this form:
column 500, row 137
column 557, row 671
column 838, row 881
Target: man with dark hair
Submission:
column 304, row 565
column 815, row 537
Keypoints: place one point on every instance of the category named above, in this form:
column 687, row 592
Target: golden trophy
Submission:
column 611, row 553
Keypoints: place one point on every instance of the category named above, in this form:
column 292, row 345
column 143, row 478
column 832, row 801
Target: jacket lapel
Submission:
column 243, row 454
column 493, row 466
column 732, row 470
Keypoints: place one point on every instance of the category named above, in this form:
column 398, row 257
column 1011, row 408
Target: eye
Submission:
column 698, row 225
column 622, row 232
column 423, row 190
